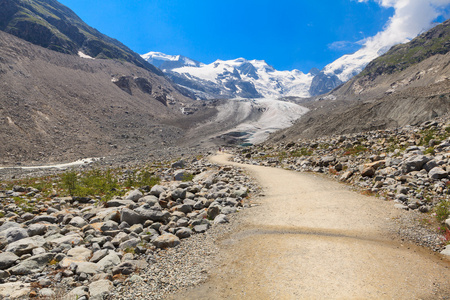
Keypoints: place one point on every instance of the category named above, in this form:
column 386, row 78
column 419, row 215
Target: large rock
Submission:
column 45, row 218
column 119, row 203
column 184, row 233
column 99, row 290
column 14, row 234
column 77, row 293
column 178, row 193
column 7, row 259
column 78, row 222
column 157, row 190
column 437, row 173
column 146, row 212
column 134, row 195
column 15, row 290
column 36, row 229
column 130, row 243
column 8, row 225
column 167, row 240
column 125, row 268
column 87, row 268
column 109, row 261
column 131, row 217
column 34, row 264
column 368, row 172
column 414, row 163
column 213, row 211
column 25, row 246
column 73, row 240
column 80, row 253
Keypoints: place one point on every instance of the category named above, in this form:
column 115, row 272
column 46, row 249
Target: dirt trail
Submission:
column 312, row 238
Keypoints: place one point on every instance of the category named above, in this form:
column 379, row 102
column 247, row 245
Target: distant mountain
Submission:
column 255, row 78
column 50, row 24
column 231, row 78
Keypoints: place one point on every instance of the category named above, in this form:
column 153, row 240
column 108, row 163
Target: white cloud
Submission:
column 411, row 17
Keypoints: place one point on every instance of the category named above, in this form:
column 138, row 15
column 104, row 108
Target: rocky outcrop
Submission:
column 323, row 83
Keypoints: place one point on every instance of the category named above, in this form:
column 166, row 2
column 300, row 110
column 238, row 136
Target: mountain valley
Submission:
column 161, row 177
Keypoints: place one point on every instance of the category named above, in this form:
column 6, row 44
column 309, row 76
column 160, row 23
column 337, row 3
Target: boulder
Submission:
column 14, row 234
column 157, row 190
column 99, row 290
column 78, row 222
column 437, row 173
column 25, row 246
column 184, row 233
column 7, row 259
column 34, row 264
column 133, row 195
column 109, row 261
column 167, row 240
column 131, row 217
column 414, row 163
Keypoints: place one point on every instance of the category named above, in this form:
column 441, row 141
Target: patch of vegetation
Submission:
column 301, row 152
column 188, row 177
column 94, row 182
column 355, row 150
column 442, row 211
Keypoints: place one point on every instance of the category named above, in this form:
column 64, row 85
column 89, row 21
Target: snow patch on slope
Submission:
column 276, row 115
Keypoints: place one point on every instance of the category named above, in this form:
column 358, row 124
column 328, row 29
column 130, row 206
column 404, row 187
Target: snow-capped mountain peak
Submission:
column 232, row 78
column 165, row 61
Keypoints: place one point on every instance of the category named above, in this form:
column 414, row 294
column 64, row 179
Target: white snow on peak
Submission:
column 160, row 56
column 267, row 81
column 350, row 65
column 82, row 55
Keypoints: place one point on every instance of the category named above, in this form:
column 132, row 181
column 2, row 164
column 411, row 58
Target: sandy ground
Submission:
column 312, row 238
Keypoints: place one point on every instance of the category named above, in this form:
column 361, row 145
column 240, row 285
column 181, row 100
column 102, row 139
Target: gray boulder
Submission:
column 36, row 229
column 157, row 190
column 131, row 217
column 14, row 234
column 100, row 289
column 7, row 259
column 146, row 212
column 34, row 264
column 184, row 233
column 414, row 163
column 78, row 222
column 109, row 261
column 167, row 240
column 437, row 173
column 25, row 246
column 134, row 195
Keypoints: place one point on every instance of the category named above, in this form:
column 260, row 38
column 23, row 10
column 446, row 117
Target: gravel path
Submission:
column 313, row 238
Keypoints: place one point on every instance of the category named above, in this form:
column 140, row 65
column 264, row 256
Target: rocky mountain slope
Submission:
column 408, row 85
column 56, row 106
column 50, row 24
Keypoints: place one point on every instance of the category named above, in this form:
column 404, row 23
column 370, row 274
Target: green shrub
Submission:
column 442, row 211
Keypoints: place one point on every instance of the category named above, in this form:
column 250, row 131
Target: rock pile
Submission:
column 80, row 247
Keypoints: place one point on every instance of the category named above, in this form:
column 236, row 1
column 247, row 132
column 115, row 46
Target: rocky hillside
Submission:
column 56, row 106
column 50, row 24
column 408, row 85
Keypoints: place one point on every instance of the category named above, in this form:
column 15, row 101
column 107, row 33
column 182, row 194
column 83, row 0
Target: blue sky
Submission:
column 288, row 34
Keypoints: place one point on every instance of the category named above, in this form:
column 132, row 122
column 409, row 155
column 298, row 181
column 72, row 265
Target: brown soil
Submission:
column 312, row 238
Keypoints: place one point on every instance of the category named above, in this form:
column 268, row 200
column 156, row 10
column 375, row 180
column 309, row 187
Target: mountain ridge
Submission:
column 49, row 24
